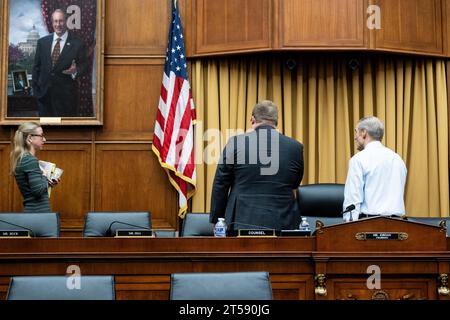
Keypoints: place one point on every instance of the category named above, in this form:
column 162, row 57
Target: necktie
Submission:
column 56, row 51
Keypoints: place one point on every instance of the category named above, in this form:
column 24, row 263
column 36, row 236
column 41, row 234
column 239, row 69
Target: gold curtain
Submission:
column 320, row 100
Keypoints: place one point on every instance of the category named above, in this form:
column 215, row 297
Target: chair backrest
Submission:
column 41, row 224
column 61, row 288
column 105, row 224
column 433, row 221
column 197, row 225
column 220, row 286
column 322, row 199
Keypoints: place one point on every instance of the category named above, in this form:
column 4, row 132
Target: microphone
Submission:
column 349, row 208
column 109, row 231
column 16, row 225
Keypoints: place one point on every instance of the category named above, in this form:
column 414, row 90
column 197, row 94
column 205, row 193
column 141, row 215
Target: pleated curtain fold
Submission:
column 320, row 100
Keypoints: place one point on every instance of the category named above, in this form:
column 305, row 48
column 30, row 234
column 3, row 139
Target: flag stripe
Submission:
column 170, row 120
column 182, row 124
column 186, row 143
column 181, row 107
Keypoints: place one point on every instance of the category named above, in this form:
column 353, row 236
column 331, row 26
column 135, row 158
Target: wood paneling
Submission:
column 142, row 287
column 4, row 285
column 136, row 27
column 5, row 178
column 132, row 90
column 232, row 25
column 321, row 23
column 418, row 236
column 71, row 197
column 5, row 133
column 410, row 25
column 112, row 168
column 129, row 177
column 392, row 289
column 140, row 27
column 72, row 134
column 142, row 267
column 446, row 27
column 292, row 287
column 135, row 43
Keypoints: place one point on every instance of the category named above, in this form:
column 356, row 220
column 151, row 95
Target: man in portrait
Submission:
column 59, row 61
column 20, row 82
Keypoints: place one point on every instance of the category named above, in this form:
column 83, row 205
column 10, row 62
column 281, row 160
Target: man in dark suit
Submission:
column 59, row 61
column 20, row 83
column 257, row 176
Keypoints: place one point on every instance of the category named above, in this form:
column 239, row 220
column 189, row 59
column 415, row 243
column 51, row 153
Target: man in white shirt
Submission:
column 376, row 175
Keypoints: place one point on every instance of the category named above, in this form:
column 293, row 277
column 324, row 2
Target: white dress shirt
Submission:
column 62, row 42
column 375, row 182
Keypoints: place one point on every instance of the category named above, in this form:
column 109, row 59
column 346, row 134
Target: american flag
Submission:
column 173, row 140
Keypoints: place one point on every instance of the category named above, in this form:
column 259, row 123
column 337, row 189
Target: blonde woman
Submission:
column 33, row 184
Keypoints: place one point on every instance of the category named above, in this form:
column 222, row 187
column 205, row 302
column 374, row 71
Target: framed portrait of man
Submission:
column 20, row 81
column 52, row 61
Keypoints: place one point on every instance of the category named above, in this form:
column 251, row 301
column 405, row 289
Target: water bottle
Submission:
column 304, row 225
column 220, row 229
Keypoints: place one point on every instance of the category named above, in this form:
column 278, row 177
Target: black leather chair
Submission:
column 220, row 286
column 321, row 200
column 105, row 224
column 197, row 225
column 40, row 224
column 433, row 221
column 56, row 288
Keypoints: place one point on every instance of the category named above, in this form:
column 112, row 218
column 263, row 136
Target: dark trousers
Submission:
column 53, row 104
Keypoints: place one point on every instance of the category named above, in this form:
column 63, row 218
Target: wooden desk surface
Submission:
column 142, row 267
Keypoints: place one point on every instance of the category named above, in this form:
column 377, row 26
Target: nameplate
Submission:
column 381, row 236
column 295, row 233
column 134, row 233
column 50, row 120
column 14, row 234
column 256, row 233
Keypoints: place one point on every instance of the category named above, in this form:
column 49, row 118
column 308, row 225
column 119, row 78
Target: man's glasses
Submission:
column 38, row 135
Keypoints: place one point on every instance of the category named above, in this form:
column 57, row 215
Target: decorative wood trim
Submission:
column 445, row 26
column 127, row 60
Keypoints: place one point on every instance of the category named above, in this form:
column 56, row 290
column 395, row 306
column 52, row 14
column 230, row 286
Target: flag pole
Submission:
column 175, row 3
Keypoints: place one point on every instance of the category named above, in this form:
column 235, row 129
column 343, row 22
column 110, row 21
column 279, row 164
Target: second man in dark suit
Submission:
column 59, row 61
column 256, row 176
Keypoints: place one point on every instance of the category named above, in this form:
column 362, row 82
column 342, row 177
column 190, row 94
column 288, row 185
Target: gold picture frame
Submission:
column 18, row 106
